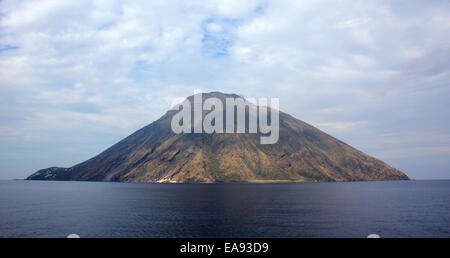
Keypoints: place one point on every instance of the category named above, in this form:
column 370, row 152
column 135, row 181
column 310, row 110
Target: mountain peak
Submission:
column 216, row 94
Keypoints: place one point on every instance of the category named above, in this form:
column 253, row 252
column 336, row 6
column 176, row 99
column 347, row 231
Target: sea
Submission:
column 390, row 209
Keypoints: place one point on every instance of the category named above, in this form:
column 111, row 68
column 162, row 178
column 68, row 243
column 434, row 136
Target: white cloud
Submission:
column 415, row 152
column 342, row 126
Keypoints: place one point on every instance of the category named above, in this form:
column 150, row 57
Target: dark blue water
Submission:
column 97, row 209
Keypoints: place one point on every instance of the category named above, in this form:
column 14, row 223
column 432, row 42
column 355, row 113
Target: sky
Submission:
column 78, row 76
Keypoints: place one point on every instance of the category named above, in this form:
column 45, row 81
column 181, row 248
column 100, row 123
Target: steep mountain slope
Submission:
column 156, row 154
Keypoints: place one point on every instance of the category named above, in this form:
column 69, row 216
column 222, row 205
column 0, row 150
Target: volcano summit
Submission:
column 156, row 153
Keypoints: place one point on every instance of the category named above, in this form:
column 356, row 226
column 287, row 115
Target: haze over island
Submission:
column 78, row 76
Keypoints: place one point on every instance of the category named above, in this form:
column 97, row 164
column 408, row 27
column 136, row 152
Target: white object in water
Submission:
column 73, row 236
column 373, row 236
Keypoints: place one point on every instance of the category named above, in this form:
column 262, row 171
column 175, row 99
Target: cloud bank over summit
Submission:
column 77, row 76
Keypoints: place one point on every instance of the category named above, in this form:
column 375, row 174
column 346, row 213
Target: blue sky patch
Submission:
column 217, row 36
column 7, row 48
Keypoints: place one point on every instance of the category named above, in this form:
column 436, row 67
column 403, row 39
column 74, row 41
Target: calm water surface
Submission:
column 98, row 209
